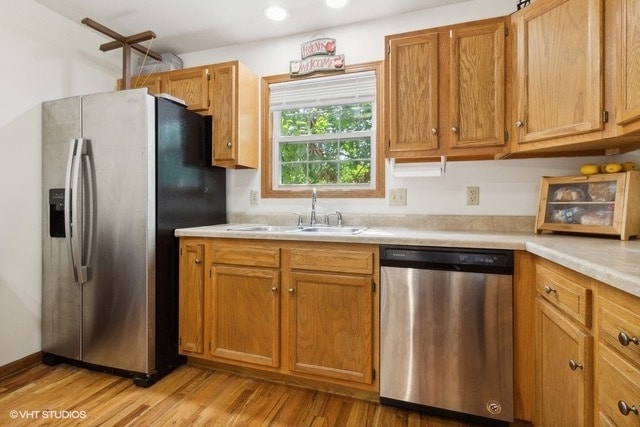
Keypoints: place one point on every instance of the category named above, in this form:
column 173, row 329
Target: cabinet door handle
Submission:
column 575, row 365
column 229, row 144
column 454, row 129
column 519, row 123
column 548, row 289
column 197, row 261
column 434, row 131
column 274, row 289
column 624, row 408
column 625, row 340
column 291, row 290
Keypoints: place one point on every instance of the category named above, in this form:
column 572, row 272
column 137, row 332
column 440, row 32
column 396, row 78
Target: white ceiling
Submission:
column 193, row 25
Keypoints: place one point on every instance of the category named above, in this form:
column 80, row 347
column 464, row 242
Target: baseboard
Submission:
column 20, row 365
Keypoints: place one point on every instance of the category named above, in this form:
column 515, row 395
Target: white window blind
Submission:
column 322, row 91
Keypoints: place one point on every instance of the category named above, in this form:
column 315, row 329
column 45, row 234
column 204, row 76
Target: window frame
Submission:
column 267, row 149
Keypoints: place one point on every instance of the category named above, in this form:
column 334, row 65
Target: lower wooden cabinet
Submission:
column 331, row 326
column 303, row 310
column 564, row 369
column 191, row 294
column 619, row 358
column 243, row 309
column 587, row 350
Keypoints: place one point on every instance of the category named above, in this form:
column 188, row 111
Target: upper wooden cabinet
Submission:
column 412, row 95
column 235, row 116
column 628, row 65
column 445, row 92
column 559, row 70
column 228, row 92
column 191, row 85
column 570, row 84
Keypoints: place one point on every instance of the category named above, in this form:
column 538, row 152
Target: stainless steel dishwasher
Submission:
column 446, row 331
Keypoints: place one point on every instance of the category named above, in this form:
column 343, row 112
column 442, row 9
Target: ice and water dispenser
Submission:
column 56, row 212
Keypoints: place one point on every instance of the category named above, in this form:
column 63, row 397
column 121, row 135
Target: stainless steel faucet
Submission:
column 314, row 198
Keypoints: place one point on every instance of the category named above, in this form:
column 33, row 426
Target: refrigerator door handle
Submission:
column 74, row 214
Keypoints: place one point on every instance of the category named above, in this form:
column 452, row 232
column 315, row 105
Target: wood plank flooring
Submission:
column 190, row 396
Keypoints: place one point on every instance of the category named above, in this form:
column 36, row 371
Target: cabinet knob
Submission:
column 454, row 129
column 229, row 144
column 434, row 131
column 519, row 124
column 624, row 408
column 291, row 290
column 274, row 289
column 197, row 261
column 575, row 365
column 548, row 289
column 625, row 340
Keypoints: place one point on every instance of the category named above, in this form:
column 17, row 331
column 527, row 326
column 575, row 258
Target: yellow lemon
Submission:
column 628, row 166
column 612, row 167
column 589, row 169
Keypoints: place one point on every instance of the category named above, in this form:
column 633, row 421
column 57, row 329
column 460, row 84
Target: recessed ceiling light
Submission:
column 275, row 13
column 336, row 3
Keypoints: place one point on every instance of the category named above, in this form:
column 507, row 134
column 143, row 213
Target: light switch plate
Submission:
column 254, row 197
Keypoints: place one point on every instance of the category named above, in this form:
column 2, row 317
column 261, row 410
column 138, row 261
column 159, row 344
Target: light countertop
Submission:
column 614, row 262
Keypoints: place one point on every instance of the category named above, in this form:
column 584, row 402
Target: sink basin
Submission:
column 333, row 230
column 298, row 229
column 267, row 228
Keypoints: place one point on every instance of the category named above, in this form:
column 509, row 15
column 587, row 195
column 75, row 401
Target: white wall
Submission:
column 44, row 56
column 507, row 187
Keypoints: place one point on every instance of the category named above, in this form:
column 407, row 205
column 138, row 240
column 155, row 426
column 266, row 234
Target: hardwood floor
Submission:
column 66, row 395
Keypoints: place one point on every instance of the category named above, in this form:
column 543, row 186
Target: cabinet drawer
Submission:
column 620, row 322
column 239, row 253
column 619, row 386
column 566, row 290
column 340, row 261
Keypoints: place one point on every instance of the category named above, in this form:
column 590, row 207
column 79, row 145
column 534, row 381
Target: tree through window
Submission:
column 323, row 134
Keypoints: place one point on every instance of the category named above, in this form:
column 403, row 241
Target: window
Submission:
column 322, row 132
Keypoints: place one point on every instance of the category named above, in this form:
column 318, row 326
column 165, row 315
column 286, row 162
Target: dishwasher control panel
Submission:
column 448, row 258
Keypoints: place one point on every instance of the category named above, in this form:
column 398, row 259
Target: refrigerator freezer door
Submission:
column 61, row 296
column 119, row 297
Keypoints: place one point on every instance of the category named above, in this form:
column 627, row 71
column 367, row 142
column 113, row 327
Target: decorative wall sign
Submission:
column 316, row 63
column 317, row 55
column 322, row 46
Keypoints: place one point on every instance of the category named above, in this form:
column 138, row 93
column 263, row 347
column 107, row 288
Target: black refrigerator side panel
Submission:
column 190, row 192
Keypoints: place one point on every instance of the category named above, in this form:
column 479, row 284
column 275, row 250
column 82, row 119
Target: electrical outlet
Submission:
column 473, row 195
column 398, row 197
column 254, row 197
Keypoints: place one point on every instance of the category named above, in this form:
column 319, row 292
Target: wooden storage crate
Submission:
column 606, row 204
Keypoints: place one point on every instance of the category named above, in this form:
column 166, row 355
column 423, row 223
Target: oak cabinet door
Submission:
column 224, row 115
column 629, row 66
column 331, row 326
column 191, row 297
column 191, row 85
column 244, row 314
column 412, row 95
column 564, row 370
column 477, row 86
column 559, row 70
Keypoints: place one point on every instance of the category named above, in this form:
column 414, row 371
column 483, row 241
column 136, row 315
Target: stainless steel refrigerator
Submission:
column 121, row 171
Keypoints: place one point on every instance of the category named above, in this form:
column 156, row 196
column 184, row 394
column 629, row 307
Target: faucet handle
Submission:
column 338, row 216
column 300, row 218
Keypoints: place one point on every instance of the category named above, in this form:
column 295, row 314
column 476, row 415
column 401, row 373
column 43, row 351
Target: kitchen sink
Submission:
column 267, row 228
column 316, row 229
column 333, row 230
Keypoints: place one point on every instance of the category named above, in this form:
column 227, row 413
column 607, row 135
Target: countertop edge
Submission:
column 613, row 262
